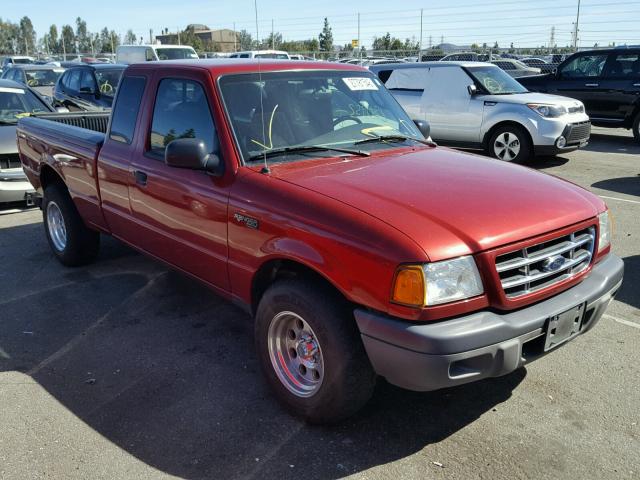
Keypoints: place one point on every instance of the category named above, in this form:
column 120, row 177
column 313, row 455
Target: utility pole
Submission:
column 235, row 38
column 430, row 41
column 420, row 44
column 113, row 44
column 150, row 36
column 359, row 46
column 179, row 36
column 255, row 7
column 552, row 39
column 273, row 41
column 576, row 29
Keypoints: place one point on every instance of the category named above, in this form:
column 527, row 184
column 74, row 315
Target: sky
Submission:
column 525, row 23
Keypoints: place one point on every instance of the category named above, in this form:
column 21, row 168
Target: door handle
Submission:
column 591, row 84
column 141, row 178
column 636, row 84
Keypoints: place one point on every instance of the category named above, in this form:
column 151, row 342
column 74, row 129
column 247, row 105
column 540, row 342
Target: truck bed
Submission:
column 67, row 145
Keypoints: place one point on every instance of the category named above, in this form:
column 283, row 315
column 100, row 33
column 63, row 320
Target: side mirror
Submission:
column 472, row 89
column 192, row 153
column 555, row 72
column 424, row 128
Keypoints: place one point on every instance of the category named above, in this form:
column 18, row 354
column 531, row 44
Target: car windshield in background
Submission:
column 495, row 80
column 108, row 80
column 43, row 78
column 22, row 61
column 175, row 53
column 311, row 108
column 16, row 103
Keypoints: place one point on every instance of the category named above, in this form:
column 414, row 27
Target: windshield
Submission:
column 43, row 78
column 21, row 61
column 16, row 103
column 175, row 53
column 495, row 80
column 108, row 80
column 322, row 108
column 279, row 56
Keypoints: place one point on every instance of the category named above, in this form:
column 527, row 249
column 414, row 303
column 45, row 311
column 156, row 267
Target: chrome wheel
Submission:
column 295, row 354
column 506, row 146
column 56, row 226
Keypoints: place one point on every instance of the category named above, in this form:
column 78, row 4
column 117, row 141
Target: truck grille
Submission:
column 542, row 265
column 9, row 160
column 578, row 132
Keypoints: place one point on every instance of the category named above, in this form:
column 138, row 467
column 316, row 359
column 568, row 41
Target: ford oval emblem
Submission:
column 554, row 263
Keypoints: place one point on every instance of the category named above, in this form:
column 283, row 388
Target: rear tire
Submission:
column 71, row 241
column 510, row 143
column 636, row 128
column 311, row 352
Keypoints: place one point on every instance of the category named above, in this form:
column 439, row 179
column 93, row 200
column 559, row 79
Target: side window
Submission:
column 244, row 55
column 584, row 66
column 623, row 66
column 413, row 79
column 87, row 83
column 148, row 55
column 74, row 80
column 125, row 112
column 181, row 111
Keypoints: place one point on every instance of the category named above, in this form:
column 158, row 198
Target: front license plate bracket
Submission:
column 563, row 326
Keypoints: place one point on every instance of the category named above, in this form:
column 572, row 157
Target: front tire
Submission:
column 71, row 241
column 311, row 353
column 510, row 143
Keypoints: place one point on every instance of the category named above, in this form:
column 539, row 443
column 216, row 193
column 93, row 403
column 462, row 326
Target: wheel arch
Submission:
column 504, row 123
column 277, row 268
column 49, row 176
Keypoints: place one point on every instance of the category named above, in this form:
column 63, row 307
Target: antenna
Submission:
column 265, row 167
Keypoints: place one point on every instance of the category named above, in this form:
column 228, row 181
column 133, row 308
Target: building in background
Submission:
column 223, row 40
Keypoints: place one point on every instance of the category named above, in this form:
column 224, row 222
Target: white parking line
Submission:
column 622, row 321
column 620, row 199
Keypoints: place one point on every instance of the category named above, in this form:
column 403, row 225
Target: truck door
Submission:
column 180, row 214
column 582, row 78
column 622, row 85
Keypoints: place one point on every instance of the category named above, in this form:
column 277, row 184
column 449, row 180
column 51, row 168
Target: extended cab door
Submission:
column 180, row 214
column 622, row 87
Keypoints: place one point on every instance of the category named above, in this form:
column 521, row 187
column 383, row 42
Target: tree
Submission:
column 325, row 39
column 82, row 36
column 273, row 41
column 67, row 39
column 130, row 38
column 52, row 40
column 27, row 37
column 245, row 40
column 189, row 37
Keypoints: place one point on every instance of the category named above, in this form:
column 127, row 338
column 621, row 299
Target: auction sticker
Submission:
column 360, row 83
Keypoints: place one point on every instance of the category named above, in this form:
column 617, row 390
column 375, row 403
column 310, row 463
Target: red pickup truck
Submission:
column 303, row 192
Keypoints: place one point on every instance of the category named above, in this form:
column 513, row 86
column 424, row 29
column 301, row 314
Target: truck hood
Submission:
column 450, row 203
column 532, row 97
column 8, row 142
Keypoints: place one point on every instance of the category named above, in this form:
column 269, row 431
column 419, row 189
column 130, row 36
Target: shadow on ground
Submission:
column 628, row 293
column 626, row 185
column 166, row 370
column 613, row 144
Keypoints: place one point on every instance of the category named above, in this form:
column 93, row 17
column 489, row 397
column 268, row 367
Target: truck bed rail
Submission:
column 96, row 121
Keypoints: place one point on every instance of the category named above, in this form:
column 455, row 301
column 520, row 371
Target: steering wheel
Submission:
column 32, row 82
column 344, row 118
column 106, row 88
column 492, row 85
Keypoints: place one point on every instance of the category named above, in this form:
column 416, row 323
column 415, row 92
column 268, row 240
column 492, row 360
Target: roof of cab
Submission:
column 218, row 66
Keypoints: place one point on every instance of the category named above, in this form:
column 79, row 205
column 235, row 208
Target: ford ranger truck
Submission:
column 305, row 194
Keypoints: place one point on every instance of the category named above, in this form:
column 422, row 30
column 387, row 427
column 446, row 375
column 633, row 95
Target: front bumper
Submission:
column 483, row 344
column 14, row 186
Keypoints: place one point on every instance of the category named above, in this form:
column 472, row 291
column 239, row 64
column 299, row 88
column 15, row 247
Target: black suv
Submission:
column 606, row 81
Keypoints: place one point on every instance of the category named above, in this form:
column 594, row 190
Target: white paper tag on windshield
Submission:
column 11, row 90
column 360, row 83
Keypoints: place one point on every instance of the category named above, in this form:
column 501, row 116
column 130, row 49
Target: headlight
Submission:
column 548, row 111
column 437, row 283
column 604, row 237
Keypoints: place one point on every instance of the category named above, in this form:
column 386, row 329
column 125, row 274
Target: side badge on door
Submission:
column 248, row 221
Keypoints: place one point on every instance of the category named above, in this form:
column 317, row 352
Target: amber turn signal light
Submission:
column 409, row 286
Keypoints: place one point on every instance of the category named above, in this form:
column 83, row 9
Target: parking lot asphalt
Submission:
column 124, row 369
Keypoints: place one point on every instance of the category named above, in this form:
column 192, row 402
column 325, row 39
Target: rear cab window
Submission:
column 623, row 65
column 125, row 111
column 181, row 110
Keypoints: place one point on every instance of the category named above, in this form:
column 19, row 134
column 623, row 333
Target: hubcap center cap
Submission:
column 307, row 348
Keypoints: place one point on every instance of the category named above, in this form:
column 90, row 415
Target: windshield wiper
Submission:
column 394, row 138
column 305, row 148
